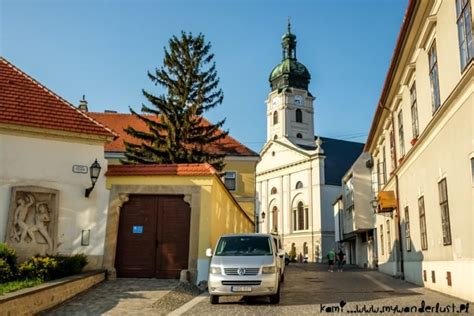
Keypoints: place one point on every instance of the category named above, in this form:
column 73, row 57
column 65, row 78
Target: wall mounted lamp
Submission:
column 94, row 172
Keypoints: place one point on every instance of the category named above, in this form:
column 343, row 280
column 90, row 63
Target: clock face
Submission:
column 276, row 101
column 298, row 100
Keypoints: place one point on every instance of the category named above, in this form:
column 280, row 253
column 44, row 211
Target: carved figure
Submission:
column 21, row 229
column 42, row 220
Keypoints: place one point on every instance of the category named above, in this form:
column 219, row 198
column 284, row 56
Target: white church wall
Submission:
column 48, row 163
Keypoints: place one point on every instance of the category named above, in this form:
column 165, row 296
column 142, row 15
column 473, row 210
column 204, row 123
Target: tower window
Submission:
column 299, row 185
column 275, row 137
column 299, row 116
column 273, row 191
column 275, row 118
column 299, row 135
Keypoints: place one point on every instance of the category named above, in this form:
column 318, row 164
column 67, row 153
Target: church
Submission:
column 298, row 176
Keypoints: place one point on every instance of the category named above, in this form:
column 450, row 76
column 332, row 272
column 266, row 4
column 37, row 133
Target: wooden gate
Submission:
column 153, row 237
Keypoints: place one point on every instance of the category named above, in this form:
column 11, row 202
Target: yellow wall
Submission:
column 245, row 189
column 219, row 211
column 245, row 193
column 227, row 217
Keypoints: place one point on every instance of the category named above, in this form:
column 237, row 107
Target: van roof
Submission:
column 247, row 234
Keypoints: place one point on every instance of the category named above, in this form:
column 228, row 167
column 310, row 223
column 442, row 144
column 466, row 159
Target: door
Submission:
column 153, row 237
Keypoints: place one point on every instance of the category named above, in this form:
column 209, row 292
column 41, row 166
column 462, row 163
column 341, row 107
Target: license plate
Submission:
column 241, row 289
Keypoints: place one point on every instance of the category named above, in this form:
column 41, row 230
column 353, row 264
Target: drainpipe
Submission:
column 399, row 230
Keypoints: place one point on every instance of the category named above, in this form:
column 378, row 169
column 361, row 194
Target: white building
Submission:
column 354, row 215
column 298, row 175
column 46, row 149
column 422, row 142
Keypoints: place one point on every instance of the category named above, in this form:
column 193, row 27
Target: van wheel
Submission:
column 275, row 298
column 282, row 278
column 214, row 299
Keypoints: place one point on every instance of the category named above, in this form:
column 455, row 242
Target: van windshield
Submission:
column 244, row 246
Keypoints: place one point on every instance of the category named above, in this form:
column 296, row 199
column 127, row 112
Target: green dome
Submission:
column 289, row 73
column 295, row 73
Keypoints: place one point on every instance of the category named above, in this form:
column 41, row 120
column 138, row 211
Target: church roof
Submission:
column 340, row 155
column 26, row 102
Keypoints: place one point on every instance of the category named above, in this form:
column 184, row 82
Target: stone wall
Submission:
column 45, row 296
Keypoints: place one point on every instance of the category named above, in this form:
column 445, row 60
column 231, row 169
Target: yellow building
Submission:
column 162, row 218
column 240, row 161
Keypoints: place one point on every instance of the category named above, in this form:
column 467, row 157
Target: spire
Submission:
column 288, row 42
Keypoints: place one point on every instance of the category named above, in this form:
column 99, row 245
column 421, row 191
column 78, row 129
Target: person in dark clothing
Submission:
column 341, row 258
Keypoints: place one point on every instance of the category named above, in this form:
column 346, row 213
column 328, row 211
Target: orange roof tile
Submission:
column 118, row 121
column 197, row 169
column 25, row 102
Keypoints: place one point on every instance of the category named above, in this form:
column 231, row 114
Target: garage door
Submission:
column 153, row 237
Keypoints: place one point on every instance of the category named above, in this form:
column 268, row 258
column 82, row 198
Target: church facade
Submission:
column 299, row 174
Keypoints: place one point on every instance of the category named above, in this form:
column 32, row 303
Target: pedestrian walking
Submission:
column 331, row 256
column 341, row 258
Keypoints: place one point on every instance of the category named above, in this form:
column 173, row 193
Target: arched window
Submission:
column 275, row 118
column 275, row 219
column 275, row 137
column 299, row 135
column 273, row 191
column 300, row 217
column 305, row 248
column 299, row 185
column 299, row 116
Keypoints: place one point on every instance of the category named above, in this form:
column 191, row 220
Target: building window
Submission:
column 434, row 79
column 472, row 170
column 389, row 238
column 275, row 137
column 275, row 219
column 300, row 217
column 381, row 239
column 275, row 118
column 464, row 20
column 392, row 150
column 299, row 135
column 273, row 191
column 443, row 203
column 384, row 166
column 407, row 229
column 401, row 140
column 414, row 111
column 299, row 116
column 299, row 185
column 229, row 180
column 421, row 210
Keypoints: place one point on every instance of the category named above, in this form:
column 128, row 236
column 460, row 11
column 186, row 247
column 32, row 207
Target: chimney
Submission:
column 83, row 104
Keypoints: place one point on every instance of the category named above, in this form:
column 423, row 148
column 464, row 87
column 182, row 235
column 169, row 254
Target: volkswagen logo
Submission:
column 241, row 271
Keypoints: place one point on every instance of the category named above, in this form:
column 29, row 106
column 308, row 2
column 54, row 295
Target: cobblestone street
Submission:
column 308, row 289
column 311, row 289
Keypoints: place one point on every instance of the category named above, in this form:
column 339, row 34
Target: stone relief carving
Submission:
column 32, row 224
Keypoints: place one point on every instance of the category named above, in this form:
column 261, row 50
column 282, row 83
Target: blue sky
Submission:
column 103, row 49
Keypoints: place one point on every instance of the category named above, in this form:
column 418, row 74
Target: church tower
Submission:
column 290, row 104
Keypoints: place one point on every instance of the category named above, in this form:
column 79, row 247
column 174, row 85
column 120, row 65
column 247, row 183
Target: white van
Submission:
column 245, row 265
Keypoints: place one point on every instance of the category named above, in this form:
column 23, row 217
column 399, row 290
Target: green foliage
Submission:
column 52, row 267
column 38, row 268
column 6, row 273
column 18, row 285
column 69, row 265
column 177, row 132
column 9, row 255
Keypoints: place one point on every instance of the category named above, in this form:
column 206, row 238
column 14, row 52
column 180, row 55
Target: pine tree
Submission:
column 177, row 132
